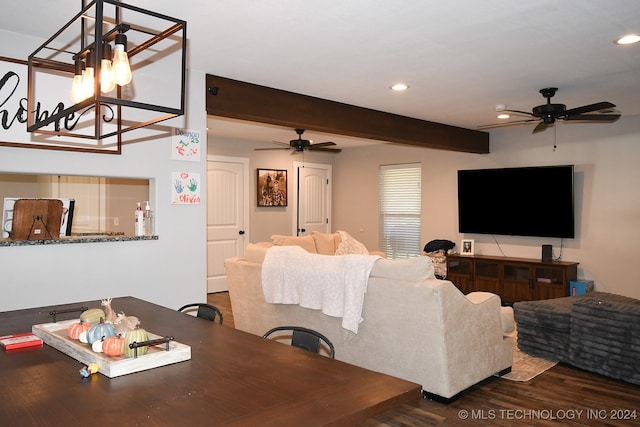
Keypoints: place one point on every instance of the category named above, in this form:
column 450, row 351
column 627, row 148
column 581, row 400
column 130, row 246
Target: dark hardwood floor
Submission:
column 562, row 395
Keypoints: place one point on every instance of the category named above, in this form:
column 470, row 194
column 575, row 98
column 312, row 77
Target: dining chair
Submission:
column 205, row 311
column 304, row 338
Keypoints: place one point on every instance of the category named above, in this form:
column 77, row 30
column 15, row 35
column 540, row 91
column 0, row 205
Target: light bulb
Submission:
column 89, row 78
column 106, row 72
column 121, row 67
column 88, row 82
column 77, row 90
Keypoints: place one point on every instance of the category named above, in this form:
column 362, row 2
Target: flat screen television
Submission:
column 523, row 201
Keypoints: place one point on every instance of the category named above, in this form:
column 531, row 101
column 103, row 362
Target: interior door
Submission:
column 227, row 216
column 314, row 199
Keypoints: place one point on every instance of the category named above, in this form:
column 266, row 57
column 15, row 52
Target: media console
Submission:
column 513, row 279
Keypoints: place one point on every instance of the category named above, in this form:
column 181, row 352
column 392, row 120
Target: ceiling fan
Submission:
column 299, row 145
column 547, row 114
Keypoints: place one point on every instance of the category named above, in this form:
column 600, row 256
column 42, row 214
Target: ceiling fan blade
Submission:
column 275, row 148
column 540, row 127
column 589, row 108
column 323, row 144
column 526, row 113
column 608, row 118
column 331, row 150
column 505, row 124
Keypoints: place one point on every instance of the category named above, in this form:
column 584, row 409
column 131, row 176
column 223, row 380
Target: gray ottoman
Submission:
column 605, row 336
column 544, row 327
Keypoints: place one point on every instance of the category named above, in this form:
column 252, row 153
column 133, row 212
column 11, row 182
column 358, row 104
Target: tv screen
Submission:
column 525, row 201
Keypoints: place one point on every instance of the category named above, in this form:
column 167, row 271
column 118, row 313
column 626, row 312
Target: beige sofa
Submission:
column 414, row 326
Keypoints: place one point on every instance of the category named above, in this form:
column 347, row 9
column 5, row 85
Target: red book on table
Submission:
column 16, row 341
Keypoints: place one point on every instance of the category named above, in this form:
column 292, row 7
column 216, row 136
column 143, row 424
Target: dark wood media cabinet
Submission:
column 513, row 279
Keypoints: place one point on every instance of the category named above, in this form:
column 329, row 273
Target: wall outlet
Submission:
column 116, row 221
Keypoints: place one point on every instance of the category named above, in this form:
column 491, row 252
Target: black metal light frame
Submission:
column 38, row 61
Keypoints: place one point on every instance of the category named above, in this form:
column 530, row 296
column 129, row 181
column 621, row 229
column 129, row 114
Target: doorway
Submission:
column 313, row 183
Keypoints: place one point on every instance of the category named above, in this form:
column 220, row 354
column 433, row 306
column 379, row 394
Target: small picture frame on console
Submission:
column 467, row 247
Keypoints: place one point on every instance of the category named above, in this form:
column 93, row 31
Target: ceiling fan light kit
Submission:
column 546, row 115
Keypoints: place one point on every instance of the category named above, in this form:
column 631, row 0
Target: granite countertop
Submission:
column 77, row 238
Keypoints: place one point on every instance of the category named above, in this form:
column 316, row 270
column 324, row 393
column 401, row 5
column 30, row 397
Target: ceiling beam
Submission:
column 247, row 101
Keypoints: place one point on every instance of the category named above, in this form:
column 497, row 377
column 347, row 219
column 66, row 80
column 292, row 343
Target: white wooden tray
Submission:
column 55, row 335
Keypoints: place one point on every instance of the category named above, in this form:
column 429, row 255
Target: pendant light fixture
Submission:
column 95, row 56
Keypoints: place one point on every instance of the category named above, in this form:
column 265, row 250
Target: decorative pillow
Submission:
column 325, row 243
column 419, row 268
column 305, row 242
column 255, row 252
column 349, row 245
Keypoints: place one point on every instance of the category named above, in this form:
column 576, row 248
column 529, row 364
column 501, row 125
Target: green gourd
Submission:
column 92, row 315
column 135, row 335
column 100, row 331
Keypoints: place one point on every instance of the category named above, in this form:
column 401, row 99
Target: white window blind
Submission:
column 400, row 210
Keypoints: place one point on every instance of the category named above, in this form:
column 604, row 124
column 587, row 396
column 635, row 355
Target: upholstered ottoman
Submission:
column 605, row 336
column 544, row 327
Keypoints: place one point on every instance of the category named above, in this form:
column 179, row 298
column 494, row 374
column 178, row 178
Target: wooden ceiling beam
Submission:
column 247, row 101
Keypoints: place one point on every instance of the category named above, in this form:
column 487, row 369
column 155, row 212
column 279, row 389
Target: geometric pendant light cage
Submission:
column 88, row 53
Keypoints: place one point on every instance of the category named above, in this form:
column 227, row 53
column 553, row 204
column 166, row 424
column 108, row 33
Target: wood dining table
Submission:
column 232, row 379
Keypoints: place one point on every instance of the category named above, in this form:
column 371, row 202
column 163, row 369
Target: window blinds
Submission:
column 400, row 209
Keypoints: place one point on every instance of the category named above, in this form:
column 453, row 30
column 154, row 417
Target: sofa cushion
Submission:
column 255, row 251
column 305, row 242
column 419, row 268
column 326, row 243
column 349, row 245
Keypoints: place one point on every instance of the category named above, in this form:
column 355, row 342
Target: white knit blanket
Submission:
column 334, row 284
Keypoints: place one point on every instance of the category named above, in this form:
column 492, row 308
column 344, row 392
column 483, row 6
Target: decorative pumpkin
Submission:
column 97, row 346
column 76, row 329
column 100, row 331
column 113, row 346
column 92, row 315
column 83, row 337
column 125, row 323
column 135, row 335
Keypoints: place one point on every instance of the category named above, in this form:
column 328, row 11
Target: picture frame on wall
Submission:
column 467, row 247
column 271, row 187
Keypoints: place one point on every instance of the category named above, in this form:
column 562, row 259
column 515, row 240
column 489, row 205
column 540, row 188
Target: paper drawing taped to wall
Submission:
column 185, row 145
column 185, row 188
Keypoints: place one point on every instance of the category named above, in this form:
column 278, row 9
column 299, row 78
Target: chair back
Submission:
column 305, row 338
column 205, row 311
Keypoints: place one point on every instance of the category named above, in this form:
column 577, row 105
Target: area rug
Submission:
column 526, row 367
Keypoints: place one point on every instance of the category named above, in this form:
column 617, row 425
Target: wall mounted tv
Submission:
column 524, row 201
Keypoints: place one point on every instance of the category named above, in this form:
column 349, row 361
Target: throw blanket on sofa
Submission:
column 334, row 284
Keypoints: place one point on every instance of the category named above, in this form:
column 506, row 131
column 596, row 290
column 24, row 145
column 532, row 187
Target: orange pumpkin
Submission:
column 76, row 329
column 113, row 346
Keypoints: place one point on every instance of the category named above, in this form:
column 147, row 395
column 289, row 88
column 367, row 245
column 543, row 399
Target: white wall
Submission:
column 170, row 271
column 606, row 184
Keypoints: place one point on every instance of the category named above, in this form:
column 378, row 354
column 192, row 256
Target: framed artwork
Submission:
column 272, row 187
column 467, row 247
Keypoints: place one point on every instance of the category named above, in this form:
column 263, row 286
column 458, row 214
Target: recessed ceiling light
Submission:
column 399, row 87
column 628, row 39
column 503, row 116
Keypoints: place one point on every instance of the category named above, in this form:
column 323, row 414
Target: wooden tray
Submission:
column 55, row 335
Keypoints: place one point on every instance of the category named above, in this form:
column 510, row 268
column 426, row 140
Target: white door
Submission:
column 227, row 216
column 314, row 198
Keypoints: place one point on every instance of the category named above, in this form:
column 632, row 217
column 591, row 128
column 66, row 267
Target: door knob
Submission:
column 241, row 232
